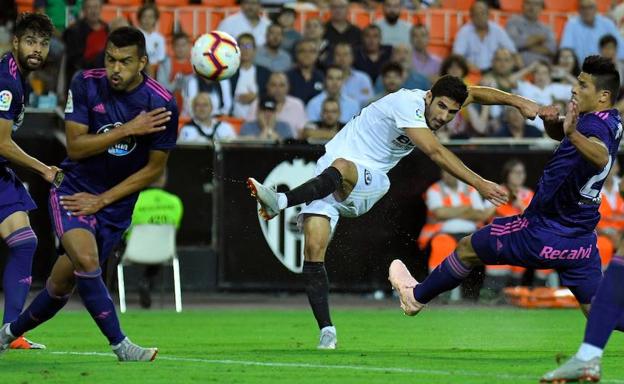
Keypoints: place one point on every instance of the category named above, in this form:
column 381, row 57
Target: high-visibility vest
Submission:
column 433, row 225
column 525, row 195
column 611, row 215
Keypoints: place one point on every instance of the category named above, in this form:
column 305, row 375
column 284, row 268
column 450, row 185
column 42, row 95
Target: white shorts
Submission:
column 371, row 186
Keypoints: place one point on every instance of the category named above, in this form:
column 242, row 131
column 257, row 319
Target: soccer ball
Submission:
column 215, row 56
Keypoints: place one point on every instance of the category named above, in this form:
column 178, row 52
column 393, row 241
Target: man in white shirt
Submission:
column 204, row 128
column 333, row 84
column 393, row 30
column 478, row 40
column 249, row 19
column 351, row 176
column 357, row 84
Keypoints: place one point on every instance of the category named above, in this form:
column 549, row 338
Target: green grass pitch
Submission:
column 441, row 345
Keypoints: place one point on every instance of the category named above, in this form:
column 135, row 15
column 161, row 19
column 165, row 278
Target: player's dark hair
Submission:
column 607, row 39
column 392, row 66
column 126, row 37
column 147, row 7
column 606, row 76
column 451, row 87
column 38, row 23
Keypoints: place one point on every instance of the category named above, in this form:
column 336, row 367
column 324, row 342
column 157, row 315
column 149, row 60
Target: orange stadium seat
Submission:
column 511, row 5
column 561, row 5
column 192, row 20
column 109, row 12
column 165, row 23
column 458, row 5
column 25, row 6
column 440, row 49
column 171, row 3
column 235, row 122
column 604, row 5
column 126, row 2
column 219, row 3
column 303, row 16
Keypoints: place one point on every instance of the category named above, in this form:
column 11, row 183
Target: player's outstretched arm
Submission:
column 490, row 96
column 82, row 144
column 16, row 155
column 553, row 123
column 591, row 148
column 87, row 204
column 426, row 141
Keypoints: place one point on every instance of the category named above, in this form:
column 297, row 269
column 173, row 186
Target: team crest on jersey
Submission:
column 282, row 234
column 419, row 114
column 5, row 100
column 368, row 177
column 69, row 106
column 124, row 146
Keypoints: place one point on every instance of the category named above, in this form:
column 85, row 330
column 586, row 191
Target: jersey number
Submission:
column 592, row 193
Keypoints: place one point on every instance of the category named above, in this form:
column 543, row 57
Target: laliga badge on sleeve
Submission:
column 69, row 107
column 5, row 100
column 58, row 179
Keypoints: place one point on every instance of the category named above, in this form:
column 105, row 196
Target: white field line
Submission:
column 434, row 372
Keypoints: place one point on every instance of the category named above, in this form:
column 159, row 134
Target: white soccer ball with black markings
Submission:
column 215, row 56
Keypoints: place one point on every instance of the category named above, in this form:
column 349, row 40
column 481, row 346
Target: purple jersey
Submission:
column 12, row 91
column 92, row 102
column 568, row 194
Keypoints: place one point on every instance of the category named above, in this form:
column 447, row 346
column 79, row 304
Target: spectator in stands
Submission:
column 357, row 84
column 454, row 209
column 61, row 12
column 155, row 44
column 566, row 67
column 220, row 94
column 533, row 39
column 155, row 206
column 7, row 22
column 306, row 81
column 392, row 75
column 271, row 55
column 608, row 48
column 289, row 108
column 514, row 125
column 328, row 125
column 513, row 178
column 372, row 55
column 394, row 31
column 338, row 29
column 402, row 54
column 204, row 128
column 250, row 80
column 542, row 90
column 85, row 40
column 334, row 78
column 611, row 210
column 267, row 124
column 423, row 61
column 314, row 30
column 175, row 71
column 480, row 38
column 286, row 18
column 583, row 33
column 617, row 15
column 248, row 20
column 501, row 76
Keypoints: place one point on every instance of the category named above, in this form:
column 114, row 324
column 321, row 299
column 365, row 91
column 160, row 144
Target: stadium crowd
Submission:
column 315, row 78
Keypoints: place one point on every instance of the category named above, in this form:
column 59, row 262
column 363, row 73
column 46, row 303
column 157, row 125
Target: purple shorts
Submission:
column 107, row 234
column 13, row 196
column 516, row 241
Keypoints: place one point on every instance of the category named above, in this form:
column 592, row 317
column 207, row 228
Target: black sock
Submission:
column 317, row 289
column 317, row 188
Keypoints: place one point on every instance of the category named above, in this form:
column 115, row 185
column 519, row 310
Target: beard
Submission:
column 392, row 19
column 26, row 62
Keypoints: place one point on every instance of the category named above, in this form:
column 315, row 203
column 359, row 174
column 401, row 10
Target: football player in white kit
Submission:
column 351, row 176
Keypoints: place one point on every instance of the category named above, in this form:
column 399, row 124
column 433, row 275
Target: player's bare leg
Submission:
column 339, row 179
column 448, row 275
column 317, row 233
column 16, row 232
column 82, row 249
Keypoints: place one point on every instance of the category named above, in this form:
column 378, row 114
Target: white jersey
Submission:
column 376, row 137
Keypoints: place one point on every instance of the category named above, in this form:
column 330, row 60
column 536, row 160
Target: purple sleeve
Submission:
column 166, row 140
column 10, row 100
column 77, row 108
column 594, row 126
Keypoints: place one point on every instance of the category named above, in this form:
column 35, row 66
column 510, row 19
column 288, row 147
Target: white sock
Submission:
column 331, row 329
column 282, row 200
column 587, row 352
column 117, row 346
column 8, row 331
